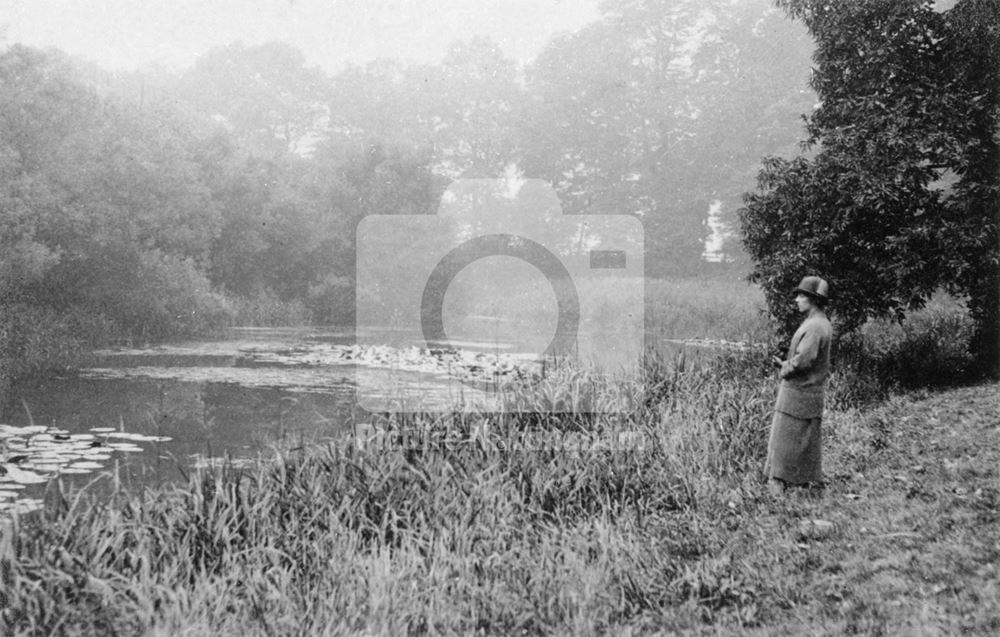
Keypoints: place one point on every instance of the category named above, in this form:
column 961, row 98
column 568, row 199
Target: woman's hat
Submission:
column 815, row 287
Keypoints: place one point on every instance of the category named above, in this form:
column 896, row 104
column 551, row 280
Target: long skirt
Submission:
column 793, row 452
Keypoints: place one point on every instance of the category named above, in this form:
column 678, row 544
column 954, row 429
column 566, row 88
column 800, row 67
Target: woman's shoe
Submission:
column 776, row 487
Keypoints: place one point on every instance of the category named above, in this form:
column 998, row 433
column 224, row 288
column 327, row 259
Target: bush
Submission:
column 929, row 347
column 267, row 309
column 155, row 296
column 331, row 300
column 165, row 296
column 35, row 339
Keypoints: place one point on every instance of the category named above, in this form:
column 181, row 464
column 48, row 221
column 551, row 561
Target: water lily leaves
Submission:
column 126, row 447
column 24, row 476
column 84, row 466
column 7, row 431
column 33, row 455
column 20, row 507
column 137, row 437
column 307, row 367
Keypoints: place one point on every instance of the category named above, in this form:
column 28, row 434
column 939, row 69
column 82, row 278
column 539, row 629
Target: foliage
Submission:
column 162, row 295
column 105, row 217
column 267, row 310
column 464, row 109
column 659, row 110
column 35, row 339
column 705, row 309
column 138, row 212
column 930, row 347
column 264, row 94
column 248, row 173
column 900, row 109
column 471, row 529
column 491, row 523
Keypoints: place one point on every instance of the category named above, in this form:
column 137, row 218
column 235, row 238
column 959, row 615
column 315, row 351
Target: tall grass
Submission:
column 930, row 347
column 521, row 521
column 676, row 308
column 34, row 339
column 462, row 523
column 720, row 309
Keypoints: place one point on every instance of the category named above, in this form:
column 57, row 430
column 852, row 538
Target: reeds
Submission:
column 458, row 523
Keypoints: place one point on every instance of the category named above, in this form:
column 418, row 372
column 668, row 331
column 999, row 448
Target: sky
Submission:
column 127, row 34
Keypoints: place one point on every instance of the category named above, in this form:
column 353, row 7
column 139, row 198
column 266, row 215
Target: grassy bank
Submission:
column 564, row 524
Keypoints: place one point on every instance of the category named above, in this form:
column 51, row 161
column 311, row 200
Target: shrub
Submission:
column 929, row 347
column 36, row 338
column 267, row 309
column 170, row 297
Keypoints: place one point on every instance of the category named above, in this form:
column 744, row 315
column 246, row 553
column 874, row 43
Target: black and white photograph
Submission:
column 499, row 317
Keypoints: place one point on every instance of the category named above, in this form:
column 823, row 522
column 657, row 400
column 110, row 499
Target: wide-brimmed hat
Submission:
column 815, row 287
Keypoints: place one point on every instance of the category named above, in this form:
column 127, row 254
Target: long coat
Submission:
column 794, row 449
column 804, row 373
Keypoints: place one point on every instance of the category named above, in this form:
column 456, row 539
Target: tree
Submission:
column 462, row 110
column 103, row 212
column 903, row 103
column 975, row 202
column 270, row 100
column 347, row 185
column 660, row 109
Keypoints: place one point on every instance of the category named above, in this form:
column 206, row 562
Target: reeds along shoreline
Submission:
column 522, row 522
column 501, row 523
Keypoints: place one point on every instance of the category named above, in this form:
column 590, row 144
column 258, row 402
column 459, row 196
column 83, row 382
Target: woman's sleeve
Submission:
column 805, row 355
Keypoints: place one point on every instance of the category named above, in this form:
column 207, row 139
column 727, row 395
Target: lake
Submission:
column 148, row 415
column 174, row 407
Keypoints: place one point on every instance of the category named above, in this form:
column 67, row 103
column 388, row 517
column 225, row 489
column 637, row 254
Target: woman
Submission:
column 793, row 452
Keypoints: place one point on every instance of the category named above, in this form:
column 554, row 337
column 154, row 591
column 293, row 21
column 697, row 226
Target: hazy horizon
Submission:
column 125, row 35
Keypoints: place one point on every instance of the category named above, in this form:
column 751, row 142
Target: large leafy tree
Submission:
column 662, row 108
column 102, row 207
column 463, row 110
column 897, row 195
column 265, row 94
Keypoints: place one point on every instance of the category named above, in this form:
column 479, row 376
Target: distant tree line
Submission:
column 146, row 204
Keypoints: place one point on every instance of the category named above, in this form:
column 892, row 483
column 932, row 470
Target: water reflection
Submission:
column 193, row 398
column 239, row 397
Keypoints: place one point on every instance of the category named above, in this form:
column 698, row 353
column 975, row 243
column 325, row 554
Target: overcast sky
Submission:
column 124, row 34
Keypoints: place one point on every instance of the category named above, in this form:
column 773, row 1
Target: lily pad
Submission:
column 138, row 437
column 44, row 467
column 22, row 476
column 126, row 447
column 88, row 466
column 20, row 507
column 9, row 430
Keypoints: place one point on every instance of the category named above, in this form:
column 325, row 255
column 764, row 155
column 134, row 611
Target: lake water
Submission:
column 149, row 415
column 144, row 416
column 191, row 403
